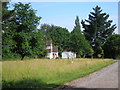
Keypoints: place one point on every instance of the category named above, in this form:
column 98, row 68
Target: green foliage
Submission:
column 58, row 35
column 25, row 18
column 112, row 46
column 37, row 44
column 98, row 29
column 28, row 39
column 46, row 31
column 8, row 45
column 7, row 34
column 78, row 43
column 6, row 16
column 22, row 37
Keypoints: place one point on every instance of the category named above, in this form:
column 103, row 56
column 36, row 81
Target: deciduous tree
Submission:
column 27, row 40
column 7, row 33
column 58, row 35
column 78, row 43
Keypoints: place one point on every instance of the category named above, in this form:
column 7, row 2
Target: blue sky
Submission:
column 64, row 13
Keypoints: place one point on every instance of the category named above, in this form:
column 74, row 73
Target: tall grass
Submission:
column 45, row 73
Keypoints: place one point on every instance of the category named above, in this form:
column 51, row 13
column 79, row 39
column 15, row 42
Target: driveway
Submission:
column 104, row 78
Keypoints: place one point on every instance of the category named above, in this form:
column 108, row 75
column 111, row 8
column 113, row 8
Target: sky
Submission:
column 64, row 13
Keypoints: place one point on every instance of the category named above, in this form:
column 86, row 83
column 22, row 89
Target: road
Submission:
column 104, row 78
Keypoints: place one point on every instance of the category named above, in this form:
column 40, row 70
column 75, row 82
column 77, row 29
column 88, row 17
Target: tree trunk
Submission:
column 22, row 57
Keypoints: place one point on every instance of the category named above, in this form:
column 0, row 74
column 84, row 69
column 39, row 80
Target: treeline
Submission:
column 21, row 37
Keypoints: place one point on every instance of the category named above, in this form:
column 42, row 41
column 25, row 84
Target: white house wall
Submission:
column 68, row 55
column 49, row 55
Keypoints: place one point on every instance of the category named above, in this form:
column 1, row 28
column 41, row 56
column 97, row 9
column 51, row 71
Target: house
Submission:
column 68, row 54
column 52, row 50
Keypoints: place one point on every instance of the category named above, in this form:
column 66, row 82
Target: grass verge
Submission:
column 45, row 73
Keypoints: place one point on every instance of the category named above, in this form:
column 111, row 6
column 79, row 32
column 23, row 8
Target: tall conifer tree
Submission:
column 98, row 29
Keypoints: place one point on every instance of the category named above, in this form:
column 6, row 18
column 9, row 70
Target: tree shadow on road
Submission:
column 67, row 87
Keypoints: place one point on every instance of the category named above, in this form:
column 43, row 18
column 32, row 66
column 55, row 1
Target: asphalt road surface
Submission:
column 104, row 78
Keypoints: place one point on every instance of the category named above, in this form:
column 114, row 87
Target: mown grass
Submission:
column 45, row 73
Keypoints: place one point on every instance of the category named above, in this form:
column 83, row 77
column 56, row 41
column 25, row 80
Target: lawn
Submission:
column 45, row 73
